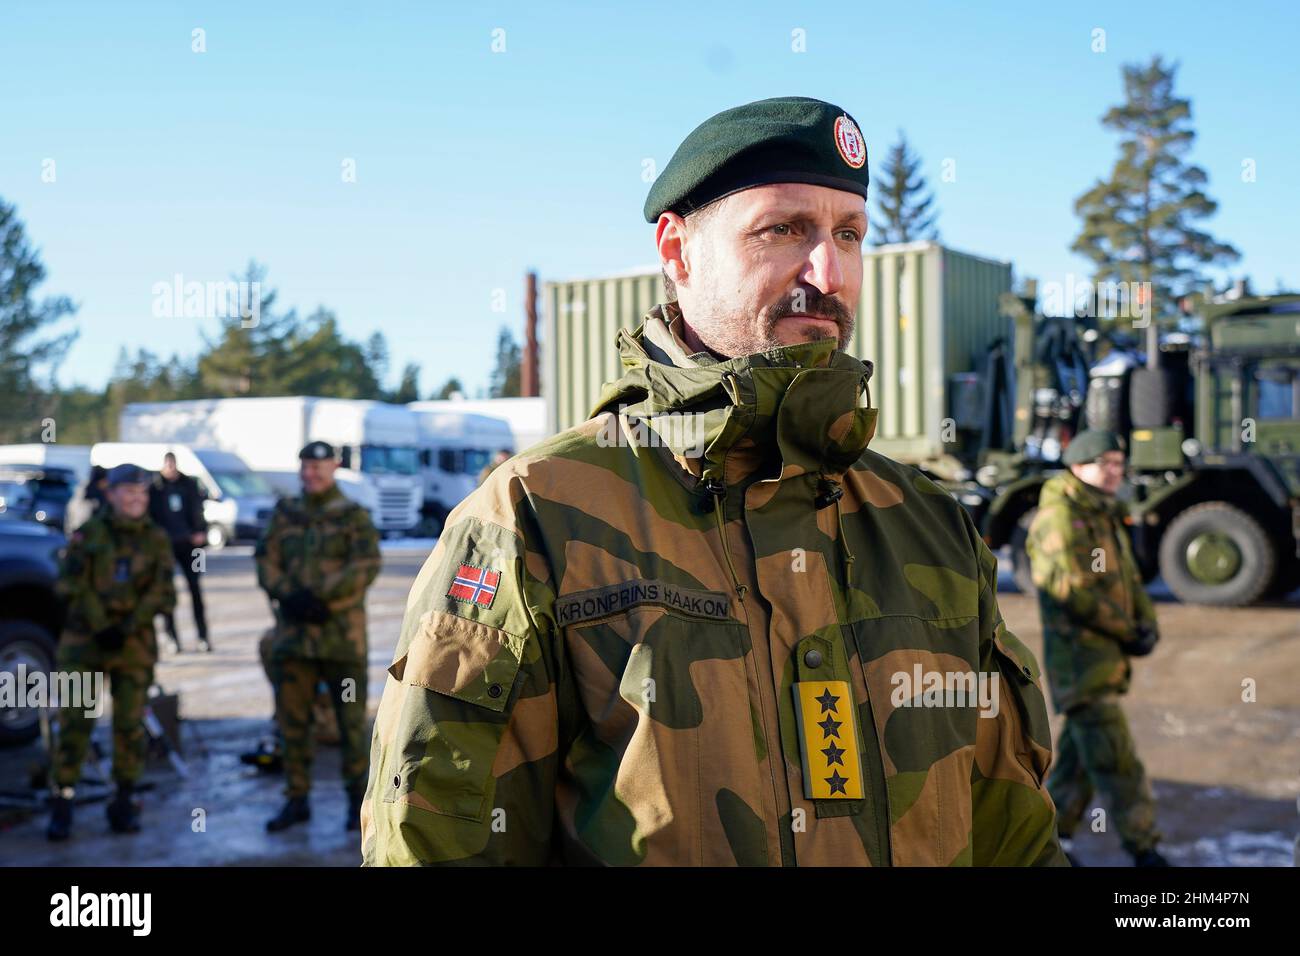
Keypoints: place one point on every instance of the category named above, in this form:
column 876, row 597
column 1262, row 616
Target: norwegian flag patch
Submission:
column 475, row 585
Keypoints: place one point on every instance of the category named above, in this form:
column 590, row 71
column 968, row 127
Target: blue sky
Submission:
column 474, row 166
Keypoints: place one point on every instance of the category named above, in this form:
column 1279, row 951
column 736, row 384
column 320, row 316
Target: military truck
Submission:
column 1213, row 429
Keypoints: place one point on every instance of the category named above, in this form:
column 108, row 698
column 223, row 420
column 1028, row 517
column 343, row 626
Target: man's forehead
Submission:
column 797, row 199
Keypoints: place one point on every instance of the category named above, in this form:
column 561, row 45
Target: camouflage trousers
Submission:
column 129, row 687
column 326, row 726
column 296, row 683
column 1096, row 753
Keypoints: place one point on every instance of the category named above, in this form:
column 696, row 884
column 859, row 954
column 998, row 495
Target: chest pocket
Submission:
column 666, row 750
column 926, row 691
column 115, row 573
column 459, row 681
column 333, row 541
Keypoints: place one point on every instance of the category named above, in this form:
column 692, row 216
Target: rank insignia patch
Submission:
column 828, row 740
column 475, row 585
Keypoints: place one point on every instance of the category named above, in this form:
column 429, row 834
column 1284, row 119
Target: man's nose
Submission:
column 823, row 270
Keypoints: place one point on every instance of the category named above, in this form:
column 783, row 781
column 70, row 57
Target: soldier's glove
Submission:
column 295, row 606
column 318, row 612
column 1147, row 638
column 111, row 638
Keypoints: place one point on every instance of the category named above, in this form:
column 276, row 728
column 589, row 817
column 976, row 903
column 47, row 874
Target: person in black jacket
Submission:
column 176, row 504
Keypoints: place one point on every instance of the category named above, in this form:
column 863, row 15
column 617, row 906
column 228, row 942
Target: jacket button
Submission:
column 813, row 658
column 494, row 690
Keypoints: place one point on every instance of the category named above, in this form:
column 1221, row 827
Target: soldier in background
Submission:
column 1096, row 615
column 315, row 561
column 176, row 506
column 96, row 485
column 116, row 576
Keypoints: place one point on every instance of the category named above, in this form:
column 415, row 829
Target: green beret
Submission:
column 789, row 139
column 1089, row 446
column 316, row 451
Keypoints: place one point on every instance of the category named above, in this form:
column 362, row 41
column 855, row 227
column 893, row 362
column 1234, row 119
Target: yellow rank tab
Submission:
column 828, row 740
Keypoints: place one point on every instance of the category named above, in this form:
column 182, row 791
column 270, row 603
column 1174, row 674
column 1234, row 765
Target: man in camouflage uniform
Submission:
column 1096, row 614
column 116, row 576
column 675, row 634
column 315, row 561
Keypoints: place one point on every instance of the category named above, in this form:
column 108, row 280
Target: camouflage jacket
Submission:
column 117, row 571
column 327, row 544
column 1090, row 591
column 594, row 667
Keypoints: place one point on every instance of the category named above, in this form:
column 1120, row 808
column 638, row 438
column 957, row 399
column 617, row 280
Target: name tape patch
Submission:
column 598, row 602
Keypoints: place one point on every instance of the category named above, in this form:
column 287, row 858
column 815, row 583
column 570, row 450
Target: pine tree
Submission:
column 449, row 388
column 22, row 320
column 1138, row 225
column 903, row 198
column 409, row 388
column 505, row 382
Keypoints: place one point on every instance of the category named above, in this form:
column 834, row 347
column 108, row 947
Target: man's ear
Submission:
column 670, row 238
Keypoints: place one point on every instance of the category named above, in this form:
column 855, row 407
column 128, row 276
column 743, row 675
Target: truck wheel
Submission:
column 1214, row 553
column 23, row 643
column 1287, row 578
column 1020, row 567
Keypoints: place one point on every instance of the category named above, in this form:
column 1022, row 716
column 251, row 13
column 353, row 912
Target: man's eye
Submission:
column 781, row 229
column 850, row 235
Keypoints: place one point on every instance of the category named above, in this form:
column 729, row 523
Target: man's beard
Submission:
column 734, row 337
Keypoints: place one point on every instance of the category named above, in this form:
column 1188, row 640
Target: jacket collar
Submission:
column 806, row 405
column 1087, row 498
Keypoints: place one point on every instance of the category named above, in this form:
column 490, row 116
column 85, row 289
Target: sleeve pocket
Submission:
column 459, row 677
column 1028, row 710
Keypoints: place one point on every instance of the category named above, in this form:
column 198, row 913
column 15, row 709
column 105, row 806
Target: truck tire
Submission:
column 28, row 643
column 1151, row 397
column 1287, row 577
column 1020, row 566
column 1215, row 553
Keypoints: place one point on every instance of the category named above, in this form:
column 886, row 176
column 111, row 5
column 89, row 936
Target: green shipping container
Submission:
column 926, row 313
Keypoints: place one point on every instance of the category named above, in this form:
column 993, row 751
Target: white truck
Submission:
column 454, row 448
column 377, row 444
column 526, row 417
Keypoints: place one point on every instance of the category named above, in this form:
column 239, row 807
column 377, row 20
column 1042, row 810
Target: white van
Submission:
column 238, row 503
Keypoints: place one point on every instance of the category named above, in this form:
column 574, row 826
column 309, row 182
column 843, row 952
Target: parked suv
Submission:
column 31, row 615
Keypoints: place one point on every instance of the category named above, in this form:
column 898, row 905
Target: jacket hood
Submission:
column 809, row 403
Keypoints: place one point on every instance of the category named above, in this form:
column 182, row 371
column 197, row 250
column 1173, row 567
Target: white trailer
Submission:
column 377, row 443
